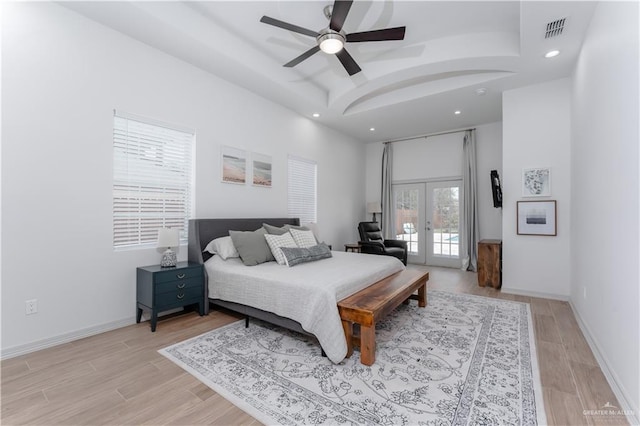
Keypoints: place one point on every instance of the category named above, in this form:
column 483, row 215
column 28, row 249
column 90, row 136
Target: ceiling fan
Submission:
column 331, row 40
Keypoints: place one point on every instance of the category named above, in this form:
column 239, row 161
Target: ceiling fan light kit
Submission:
column 331, row 40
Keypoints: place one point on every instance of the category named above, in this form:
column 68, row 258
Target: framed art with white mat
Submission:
column 234, row 165
column 537, row 218
column 536, row 182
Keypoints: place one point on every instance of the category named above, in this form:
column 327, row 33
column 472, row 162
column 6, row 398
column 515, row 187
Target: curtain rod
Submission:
column 430, row 134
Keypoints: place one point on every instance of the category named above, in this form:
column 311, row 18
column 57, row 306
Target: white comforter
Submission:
column 307, row 293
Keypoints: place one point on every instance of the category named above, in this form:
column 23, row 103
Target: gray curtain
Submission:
column 470, row 231
column 388, row 207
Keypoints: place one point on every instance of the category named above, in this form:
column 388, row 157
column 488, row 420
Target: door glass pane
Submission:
column 407, row 218
column 446, row 221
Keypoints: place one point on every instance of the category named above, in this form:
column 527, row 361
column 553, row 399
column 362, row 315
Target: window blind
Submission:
column 152, row 180
column 302, row 183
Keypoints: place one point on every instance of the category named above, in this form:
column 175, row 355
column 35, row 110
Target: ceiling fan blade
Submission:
column 302, row 57
column 377, row 35
column 339, row 14
column 288, row 26
column 348, row 62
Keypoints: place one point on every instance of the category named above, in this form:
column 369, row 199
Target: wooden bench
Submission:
column 373, row 303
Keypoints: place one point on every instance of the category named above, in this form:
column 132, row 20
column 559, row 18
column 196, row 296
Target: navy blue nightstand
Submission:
column 160, row 289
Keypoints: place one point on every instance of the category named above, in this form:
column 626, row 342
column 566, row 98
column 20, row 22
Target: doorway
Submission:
column 427, row 217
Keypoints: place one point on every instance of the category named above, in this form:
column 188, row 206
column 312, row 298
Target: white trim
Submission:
column 536, row 374
column 64, row 338
column 542, row 295
column 612, row 378
column 153, row 121
column 303, row 159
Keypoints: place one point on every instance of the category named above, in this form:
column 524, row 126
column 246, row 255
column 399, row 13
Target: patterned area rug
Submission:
column 461, row 360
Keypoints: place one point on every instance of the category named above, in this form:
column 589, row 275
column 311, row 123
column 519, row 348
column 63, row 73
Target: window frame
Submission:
column 296, row 207
column 164, row 196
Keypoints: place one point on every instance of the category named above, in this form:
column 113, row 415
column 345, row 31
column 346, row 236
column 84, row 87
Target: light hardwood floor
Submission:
column 119, row 378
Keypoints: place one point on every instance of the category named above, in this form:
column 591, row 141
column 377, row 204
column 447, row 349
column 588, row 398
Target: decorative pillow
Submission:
column 295, row 256
column 223, row 247
column 274, row 230
column 279, row 231
column 277, row 242
column 304, row 239
column 251, row 246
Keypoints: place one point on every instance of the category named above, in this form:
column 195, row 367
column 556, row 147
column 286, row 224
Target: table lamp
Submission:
column 168, row 237
column 374, row 208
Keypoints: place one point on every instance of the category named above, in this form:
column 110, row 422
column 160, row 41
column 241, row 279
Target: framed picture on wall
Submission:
column 536, row 182
column 537, row 218
column 234, row 165
column 261, row 170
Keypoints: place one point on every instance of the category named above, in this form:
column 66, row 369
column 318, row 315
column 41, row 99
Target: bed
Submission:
column 302, row 298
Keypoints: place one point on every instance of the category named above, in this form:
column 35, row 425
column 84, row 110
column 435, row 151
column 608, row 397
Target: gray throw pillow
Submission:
column 274, row 230
column 296, row 256
column 252, row 246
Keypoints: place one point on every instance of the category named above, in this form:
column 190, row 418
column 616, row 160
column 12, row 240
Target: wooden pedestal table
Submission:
column 490, row 263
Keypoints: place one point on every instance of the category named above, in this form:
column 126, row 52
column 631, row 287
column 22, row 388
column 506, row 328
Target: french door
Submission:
column 443, row 223
column 427, row 216
column 410, row 219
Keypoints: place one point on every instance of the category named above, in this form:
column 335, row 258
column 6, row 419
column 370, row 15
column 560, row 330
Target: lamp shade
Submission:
column 168, row 237
column 314, row 228
column 374, row 207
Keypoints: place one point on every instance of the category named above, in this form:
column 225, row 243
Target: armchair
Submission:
column 371, row 242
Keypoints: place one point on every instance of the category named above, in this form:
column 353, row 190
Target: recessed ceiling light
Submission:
column 372, row 129
column 552, row 53
column 458, row 112
column 316, row 115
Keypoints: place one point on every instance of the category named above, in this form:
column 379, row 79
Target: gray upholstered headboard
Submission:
column 202, row 231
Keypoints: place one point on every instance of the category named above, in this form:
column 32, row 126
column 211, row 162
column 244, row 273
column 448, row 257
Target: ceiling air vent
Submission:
column 555, row 28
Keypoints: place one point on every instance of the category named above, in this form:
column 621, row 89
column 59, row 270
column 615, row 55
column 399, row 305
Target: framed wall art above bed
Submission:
column 261, row 170
column 234, row 165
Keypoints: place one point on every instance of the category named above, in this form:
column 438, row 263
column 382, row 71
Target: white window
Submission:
column 152, row 180
column 302, row 189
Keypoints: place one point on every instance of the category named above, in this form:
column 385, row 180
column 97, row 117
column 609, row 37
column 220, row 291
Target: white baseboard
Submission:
column 76, row 335
column 633, row 412
column 64, row 338
column 535, row 294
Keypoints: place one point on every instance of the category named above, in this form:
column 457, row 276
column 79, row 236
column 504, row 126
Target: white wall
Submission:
column 605, row 184
column 62, row 77
column 536, row 133
column 441, row 156
column 488, row 157
column 430, row 158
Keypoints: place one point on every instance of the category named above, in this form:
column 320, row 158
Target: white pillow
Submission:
column 223, row 247
column 303, row 239
column 277, row 241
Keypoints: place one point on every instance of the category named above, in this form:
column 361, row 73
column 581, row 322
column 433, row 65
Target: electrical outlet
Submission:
column 31, row 306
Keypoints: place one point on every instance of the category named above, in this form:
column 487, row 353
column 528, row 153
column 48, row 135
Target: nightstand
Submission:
column 160, row 289
column 354, row 248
